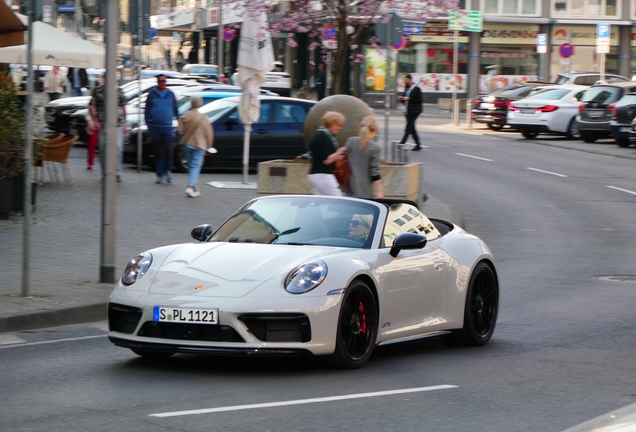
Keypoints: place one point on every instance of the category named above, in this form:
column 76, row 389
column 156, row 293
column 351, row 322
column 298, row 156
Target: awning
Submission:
column 11, row 28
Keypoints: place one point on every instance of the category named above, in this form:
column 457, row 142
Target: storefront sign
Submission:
column 509, row 34
column 580, row 35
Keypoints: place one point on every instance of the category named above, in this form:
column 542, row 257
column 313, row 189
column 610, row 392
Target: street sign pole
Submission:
column 542, row 47
column 454, row 80
column 602, row 45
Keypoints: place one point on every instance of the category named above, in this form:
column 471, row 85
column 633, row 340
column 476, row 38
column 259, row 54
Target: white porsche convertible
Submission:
column 295, row 275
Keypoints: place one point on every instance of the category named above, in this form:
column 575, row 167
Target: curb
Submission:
column 52, row 318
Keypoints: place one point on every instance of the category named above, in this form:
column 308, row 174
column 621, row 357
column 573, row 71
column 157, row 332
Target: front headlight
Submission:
column 306, row 277
column 136, row 268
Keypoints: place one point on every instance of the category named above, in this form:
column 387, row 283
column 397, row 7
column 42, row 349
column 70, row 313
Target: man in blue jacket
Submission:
column 161, row 109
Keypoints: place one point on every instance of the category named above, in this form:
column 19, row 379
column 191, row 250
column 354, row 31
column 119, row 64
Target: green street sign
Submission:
column 472, row 21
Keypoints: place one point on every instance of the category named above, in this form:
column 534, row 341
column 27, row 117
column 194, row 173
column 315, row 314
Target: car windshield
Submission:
column 219, row 107
column 313, row 220
column 516, row 91
column 550, row 94
column 602, row 95
column 203, row 69
column 626, row 100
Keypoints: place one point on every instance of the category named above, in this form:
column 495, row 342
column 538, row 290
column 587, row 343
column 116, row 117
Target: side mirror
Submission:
column 202, row 232
column 407, row 241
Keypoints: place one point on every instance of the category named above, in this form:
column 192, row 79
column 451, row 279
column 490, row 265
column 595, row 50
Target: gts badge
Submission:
column 387, row 324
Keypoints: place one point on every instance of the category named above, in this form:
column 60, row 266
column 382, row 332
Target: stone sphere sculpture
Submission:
column 351, row 107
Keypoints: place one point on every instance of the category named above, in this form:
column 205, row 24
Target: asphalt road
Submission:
column 560, row 224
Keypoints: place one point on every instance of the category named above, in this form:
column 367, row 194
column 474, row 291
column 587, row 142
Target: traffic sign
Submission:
column 329, row 33
column 399, row 44
column 542, row 43
column 228, row 34
column 412, row 29
column 473, row 21
column 389, row 26
column 603, row 38
column 566, row 50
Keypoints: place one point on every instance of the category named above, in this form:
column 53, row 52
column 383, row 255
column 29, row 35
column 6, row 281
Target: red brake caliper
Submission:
column 363, row 318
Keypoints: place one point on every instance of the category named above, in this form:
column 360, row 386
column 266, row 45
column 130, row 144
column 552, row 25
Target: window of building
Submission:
column 585, row 8
column 511, row 7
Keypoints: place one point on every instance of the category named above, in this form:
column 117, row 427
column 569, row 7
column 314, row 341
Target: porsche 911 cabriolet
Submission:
column 309, row 275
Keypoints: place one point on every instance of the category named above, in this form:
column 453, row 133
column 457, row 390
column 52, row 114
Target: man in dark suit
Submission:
column 320, row 83
column 413, row 108
column 78, row 79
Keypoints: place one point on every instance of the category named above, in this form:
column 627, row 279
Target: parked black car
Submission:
column 595, row 111
column 622, row 121
column 278, row 134
column 492, row 108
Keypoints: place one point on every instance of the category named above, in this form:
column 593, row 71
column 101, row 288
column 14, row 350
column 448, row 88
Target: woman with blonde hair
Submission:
column 363, row 153
column 197, row 138
column 325, row 152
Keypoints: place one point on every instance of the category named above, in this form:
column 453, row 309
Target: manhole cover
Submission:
column 618, row 278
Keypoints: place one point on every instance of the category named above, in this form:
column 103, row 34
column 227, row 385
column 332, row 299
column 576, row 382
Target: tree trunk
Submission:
column 339, row 60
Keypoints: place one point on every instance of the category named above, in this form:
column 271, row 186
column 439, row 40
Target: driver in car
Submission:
column 360, row 226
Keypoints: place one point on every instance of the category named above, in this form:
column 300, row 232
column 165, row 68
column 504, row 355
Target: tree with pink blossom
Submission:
column 349, row 18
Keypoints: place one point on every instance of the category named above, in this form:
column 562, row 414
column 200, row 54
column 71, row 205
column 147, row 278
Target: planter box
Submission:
column 282, row 176
column 18, row 194
column 6, row 198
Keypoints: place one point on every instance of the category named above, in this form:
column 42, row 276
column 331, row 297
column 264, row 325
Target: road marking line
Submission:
column 52, row 341
column 622, row 190
column 301, row 401
column 474, row 157
column 546, row 172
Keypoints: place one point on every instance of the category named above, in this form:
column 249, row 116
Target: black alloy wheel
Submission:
column 622, row 142
column 480, row 310
column 495, row 126
column 357, row 327
column 530, row 135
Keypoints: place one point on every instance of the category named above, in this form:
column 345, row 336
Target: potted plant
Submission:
column 12, row 143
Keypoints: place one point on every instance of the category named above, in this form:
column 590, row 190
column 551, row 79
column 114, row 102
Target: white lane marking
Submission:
column 546, row 172
column 474, row 157
column 622, row 190
column 301, row 401
column 10, row 339
column 52, row 341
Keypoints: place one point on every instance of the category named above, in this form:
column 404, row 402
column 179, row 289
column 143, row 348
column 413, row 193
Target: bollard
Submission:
column 394, row 151
column 469, row 116
column 456, row 112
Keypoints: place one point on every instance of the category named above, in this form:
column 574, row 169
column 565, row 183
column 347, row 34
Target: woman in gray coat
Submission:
column 363, row 153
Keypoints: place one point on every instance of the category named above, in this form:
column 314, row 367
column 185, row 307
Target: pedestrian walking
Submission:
column 320, row 83
column 412, row 109
column 179, row 61
column 325, row 152
column 161, row 110
column 92, row 138
column 54, row 83
column 197, row 138
column 363, row 153
column 97, row 108
column 78, row 79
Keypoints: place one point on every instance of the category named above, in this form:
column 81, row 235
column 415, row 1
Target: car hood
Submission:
column 226, row 269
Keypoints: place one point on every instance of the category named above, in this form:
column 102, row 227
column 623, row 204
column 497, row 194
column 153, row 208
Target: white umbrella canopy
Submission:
column 255, row 59
column 52, row 47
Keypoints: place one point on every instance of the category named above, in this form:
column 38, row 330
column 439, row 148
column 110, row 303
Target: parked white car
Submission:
column 552, row 110
column 278, row 80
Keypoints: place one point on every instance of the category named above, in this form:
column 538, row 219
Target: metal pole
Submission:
column 109, row 149
column 455, row 50
column 28, row 167
column 602, row 64
column 220, row 43
column 387, row 98
column 140, row 41
column 78, row 18
column 246, row 150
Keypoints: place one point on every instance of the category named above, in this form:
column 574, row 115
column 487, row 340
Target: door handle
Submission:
column 261, row 131
column 439, row 266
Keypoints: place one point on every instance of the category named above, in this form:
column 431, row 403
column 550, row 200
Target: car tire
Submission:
column 530, row 135
column 495, row 126
column 588, row 138
column 622, row 142
column 357, row 327
column 180, row 161
column 480, row 310
column 573, row 130
column 152, row 355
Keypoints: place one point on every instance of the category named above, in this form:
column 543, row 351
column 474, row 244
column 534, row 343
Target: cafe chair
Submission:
column 55, row 154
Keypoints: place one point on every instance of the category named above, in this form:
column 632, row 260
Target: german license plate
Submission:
column 527, row 110
column 486, row 105
column 594, row 113
column 625, row 129
column 185, row 315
